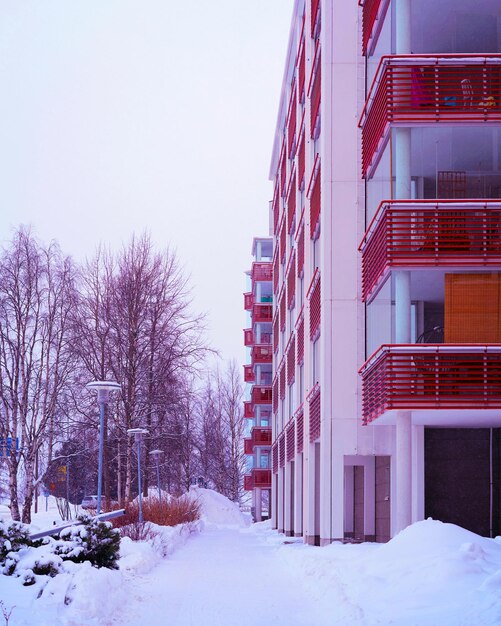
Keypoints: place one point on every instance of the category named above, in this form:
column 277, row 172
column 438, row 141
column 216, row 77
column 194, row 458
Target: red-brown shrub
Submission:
column 175, row 511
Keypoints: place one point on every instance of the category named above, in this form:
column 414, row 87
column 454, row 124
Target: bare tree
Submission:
column 37, row 293
column 139, row 330
column 220, row 431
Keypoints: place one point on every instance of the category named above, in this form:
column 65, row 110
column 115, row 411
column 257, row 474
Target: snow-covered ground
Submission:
column 234, row 573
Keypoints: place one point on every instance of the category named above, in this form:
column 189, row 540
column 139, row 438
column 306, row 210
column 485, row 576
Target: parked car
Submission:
column 89, row 502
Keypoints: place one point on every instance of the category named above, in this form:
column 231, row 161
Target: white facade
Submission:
column 347, row 480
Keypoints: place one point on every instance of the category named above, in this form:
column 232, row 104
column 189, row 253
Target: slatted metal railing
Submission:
column 411, row 90
column 261, row 436
column 425, row 233
column 261, row 394
column 261, row 478
column 262, row 271
column 432, row 376
column 373, row 13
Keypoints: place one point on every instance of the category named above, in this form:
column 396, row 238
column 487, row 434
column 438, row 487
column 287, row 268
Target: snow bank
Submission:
column 139, row 557
column 216, row 509
column 81, row 594
column 430, row 574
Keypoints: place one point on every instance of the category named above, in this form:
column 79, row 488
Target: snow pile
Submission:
column 216, row 509
column 77, row 594
column 431, row 573
column 139, row 557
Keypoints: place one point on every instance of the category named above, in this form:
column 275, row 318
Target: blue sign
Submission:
column 6, row 444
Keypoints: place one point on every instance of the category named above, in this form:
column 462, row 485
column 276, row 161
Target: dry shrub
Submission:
column 138, row 532
column 175, row 511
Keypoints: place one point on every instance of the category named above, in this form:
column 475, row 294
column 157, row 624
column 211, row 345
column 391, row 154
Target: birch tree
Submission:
column 37, row 293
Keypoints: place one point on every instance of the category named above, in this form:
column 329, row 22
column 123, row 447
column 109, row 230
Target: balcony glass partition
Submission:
column 447, row 162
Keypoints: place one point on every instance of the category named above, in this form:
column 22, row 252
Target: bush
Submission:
column 13, row 537
column 162, row 512
column 95, row 541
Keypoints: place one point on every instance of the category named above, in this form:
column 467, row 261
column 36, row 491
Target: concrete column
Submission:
column 258, row 507
column 403, row 27
column 280, row 503
column 298, row 496
column 288, row 500
column 404, row 469
column 309, row 493
column 402, row 162
column 402, row 306
column 259, row 291
column 273, row 500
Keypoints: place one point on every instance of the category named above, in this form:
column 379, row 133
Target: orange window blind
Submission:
column 472, row 308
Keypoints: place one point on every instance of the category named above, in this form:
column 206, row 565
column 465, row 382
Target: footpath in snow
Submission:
column 223, row 577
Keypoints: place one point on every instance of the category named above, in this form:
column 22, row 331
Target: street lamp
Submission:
column 156, row 454
column 138, row 434
column 103, row 388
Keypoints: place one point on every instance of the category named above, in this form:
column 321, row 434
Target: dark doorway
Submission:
column 462, row 477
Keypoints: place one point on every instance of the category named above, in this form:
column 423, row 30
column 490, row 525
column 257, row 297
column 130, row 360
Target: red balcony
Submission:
column 261, row 436
column 262, row 313
column 442, row 384
column 248, row 337
column 261, row 394
column 425, row 89
column 248, row 446
column 261, row 478
column 248, row 410
column 428, row 233
column 249, row 376
column 248, row 301
column 262, row 272
column 248, row 485
column 373, row 14
column 261, row 354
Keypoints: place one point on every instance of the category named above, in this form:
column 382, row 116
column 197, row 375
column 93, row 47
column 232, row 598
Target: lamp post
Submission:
column 138, row 435
column 103, row 388
column 156, row 454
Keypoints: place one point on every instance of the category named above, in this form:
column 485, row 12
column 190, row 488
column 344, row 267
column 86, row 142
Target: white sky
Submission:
column 124, row 115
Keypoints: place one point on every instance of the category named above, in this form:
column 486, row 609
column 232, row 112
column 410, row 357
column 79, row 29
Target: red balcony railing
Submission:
column 248, row 301
column 261, row 394
column 426, row 89
column 262, row 271
column 428, row 233
column 248, row 484
column 248, row 446
column 249, row 410
column 262, row 313
column 432, row 376
column 261, row 354
column 261, row 478
column 248, row 337
column 373, row 14
column 249, row 376
column 314, row 15
column 261, row 436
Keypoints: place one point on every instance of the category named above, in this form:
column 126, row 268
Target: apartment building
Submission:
column 258, row 374
column 386, row 378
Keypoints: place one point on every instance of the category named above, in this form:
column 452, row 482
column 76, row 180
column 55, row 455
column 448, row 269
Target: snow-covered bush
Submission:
column 13, row 536
column 94, row 541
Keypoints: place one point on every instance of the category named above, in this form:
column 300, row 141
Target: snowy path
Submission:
column 222, row 577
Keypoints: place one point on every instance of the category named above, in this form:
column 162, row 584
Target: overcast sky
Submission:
column 119, row 116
